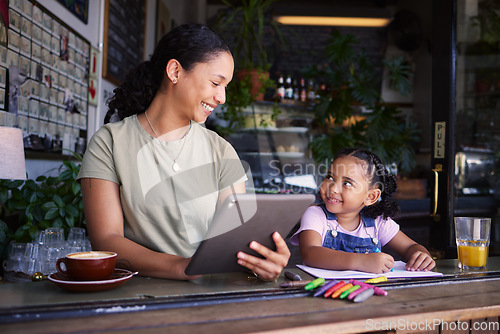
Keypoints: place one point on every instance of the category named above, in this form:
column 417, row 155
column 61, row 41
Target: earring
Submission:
column 174, row 81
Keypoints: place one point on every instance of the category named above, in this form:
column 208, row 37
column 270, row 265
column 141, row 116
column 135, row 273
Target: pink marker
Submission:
column 356, row 292
column 378, row 291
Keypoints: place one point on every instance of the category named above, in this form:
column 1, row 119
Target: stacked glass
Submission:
column 40, row 255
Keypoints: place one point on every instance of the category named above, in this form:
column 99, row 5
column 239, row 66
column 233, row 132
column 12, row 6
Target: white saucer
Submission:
column 119, row 277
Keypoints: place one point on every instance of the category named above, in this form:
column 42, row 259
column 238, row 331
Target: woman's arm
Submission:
column 104, row 215
column 417, row 256
column 315, row 255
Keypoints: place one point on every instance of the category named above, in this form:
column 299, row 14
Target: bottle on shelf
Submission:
column 280, row 91
column 303, row 90
column 311, row 92
column 288, row 88
column 321, row 92
column 296, row 90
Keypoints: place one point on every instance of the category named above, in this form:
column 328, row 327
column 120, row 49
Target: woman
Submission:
column 152, row 181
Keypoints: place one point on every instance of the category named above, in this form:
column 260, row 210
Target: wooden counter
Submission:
column 235, row 304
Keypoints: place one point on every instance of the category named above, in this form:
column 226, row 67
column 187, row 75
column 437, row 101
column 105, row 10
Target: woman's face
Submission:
column 204, row 86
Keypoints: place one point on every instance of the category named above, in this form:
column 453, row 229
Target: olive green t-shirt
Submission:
column 164, row 210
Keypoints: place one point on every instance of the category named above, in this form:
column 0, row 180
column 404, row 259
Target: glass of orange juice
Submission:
column 473, row 240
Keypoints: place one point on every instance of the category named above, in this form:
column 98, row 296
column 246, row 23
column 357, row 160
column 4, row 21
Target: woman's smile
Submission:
column 208, row 108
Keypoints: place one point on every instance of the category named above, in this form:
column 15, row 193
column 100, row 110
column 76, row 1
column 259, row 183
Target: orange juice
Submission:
column 473, row 256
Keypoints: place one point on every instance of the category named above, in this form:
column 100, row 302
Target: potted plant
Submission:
column 349, row 78
column 27, row 206
column 243, row 25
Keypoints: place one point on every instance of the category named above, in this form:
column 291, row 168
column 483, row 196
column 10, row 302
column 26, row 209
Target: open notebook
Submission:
column 398, row 272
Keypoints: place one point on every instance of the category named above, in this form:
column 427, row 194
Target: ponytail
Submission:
column 135, row 94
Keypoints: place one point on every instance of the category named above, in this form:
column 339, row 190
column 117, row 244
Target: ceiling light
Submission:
column 333, row 21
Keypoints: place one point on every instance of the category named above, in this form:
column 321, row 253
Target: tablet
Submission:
column 241, row 219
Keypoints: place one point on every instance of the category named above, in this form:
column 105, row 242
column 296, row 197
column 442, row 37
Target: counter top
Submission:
column 233, row 302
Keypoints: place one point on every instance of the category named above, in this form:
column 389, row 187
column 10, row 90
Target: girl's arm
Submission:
column 103, row 212
column 315, row 255
column 417, row 257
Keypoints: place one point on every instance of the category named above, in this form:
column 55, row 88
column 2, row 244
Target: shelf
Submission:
column 276, row 154
column 290, row 129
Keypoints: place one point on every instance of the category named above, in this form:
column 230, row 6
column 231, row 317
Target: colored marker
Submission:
column 378, row 291
column 364, row 295
column 337, row 293
column 325, row 287
column 295, row 284
column 314, row 284
column 357, row 292
column 379, row 279
column 348, row 291
column 334, row 288
column 292, row 276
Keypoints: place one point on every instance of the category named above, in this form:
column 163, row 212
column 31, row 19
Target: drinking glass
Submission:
column 53, row 249
column 76, row 240
column 32, row 261
column 40, row 237
column 87, row 246
column 15, row 255
column 473, row 239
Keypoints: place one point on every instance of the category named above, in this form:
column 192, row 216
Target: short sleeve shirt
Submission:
column 164, row 210
column 315, row 219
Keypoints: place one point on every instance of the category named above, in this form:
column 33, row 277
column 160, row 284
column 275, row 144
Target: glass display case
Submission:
column 477, row 135
column 278, row 154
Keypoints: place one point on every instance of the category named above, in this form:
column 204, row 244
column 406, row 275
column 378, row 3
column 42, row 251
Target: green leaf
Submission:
column 51, row 214
column 70, row 221
column 75, row 188
column 71, row 210
column 49, row 206
column 58, row 222
column 33, row 198
column 4, row 194
column 59, row 201
column 33, row 231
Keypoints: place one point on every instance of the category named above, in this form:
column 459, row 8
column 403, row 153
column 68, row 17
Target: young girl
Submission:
column 348, row 229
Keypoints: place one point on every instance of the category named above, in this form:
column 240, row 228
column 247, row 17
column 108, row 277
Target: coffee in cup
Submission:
column 87, row 266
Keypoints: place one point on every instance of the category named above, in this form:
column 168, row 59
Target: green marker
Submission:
column 314, row 284
column 348, row 291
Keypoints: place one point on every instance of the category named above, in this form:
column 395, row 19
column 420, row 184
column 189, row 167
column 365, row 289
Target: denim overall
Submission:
column 349, row 243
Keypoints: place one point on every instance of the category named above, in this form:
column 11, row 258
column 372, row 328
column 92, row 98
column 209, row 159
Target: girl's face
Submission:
column 204, row 87
column 346, row 188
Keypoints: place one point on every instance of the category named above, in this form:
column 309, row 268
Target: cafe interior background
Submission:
column 433, row 106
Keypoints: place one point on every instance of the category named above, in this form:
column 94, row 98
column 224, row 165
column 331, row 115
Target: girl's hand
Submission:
column 377, row 263
column 420, row 261
column 269, row 268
